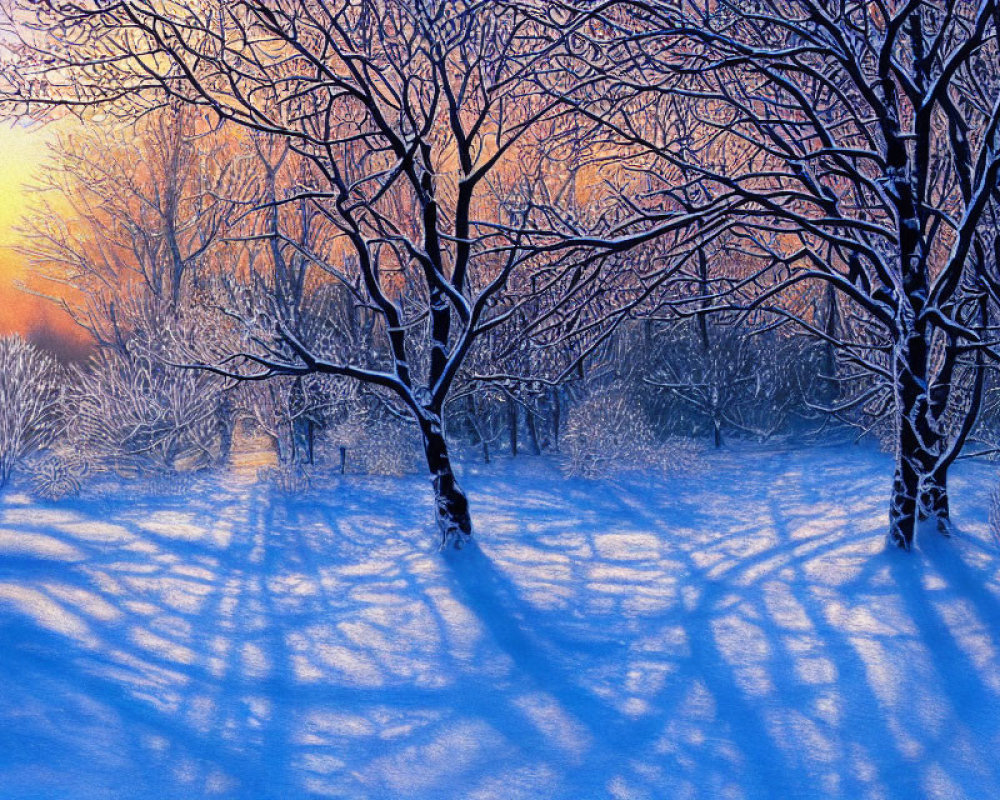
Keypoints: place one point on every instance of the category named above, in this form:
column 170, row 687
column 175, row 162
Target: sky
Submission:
column 22, row 154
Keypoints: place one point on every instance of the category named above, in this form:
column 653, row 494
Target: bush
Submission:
column 30, row 400
column 54, row 477
column 608, row 433
column 135, row 414
column 385, row 448
column 286, row 478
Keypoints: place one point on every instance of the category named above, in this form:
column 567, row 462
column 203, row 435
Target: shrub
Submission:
column 134, row 414
column 286, row 478
column 54, row 477
column 608, row 433
column 387, row 448
column 30, row 398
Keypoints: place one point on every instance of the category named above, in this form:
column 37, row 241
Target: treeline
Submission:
column 652, row 397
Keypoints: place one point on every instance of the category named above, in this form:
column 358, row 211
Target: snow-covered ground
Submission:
column 736, row 632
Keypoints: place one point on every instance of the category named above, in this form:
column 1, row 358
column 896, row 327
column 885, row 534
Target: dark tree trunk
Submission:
column 903, row 504
column 916, row 438
column 556, row 419
column 451, row 506
column 934, row 502
column 302, row 434
column 830, row 348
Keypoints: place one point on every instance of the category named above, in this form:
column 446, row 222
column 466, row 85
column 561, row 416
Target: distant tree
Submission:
column 748, row 379
column 124, row 217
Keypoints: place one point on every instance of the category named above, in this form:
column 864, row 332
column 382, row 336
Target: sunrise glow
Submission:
column 23, row 150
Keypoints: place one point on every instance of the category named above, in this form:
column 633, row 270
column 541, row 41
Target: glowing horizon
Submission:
column 23, row 150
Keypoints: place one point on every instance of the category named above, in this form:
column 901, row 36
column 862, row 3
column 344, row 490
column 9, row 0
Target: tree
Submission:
column 420, row 123
column 748, row 378
column 848, row 143
column 125, row 217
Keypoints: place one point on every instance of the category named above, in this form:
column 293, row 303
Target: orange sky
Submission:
column 22, row 152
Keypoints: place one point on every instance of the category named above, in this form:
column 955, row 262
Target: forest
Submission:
column 613, row 343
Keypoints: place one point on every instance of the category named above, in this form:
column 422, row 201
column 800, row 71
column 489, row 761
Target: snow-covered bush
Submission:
column 608, row 432
column 54, row 476
column 136, row 414
column 384, row 447
column 286, row 478
column 30, row 394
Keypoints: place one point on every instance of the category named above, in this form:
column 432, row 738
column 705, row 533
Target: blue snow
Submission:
column 736, row 632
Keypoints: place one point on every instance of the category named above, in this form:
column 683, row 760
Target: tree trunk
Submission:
column 451, row 506
column 903, row 504
column 916, row 438
column 934, row 496
column 284, row 439
column 830, row 350
column 302, row 440
column 934, row 499
column 556, row 419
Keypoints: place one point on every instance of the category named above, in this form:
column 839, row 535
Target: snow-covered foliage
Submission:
column 608, row 433
column 373, row 446
column 31, row 390
column 135, row 413
column 54, row 476
column 288, row 478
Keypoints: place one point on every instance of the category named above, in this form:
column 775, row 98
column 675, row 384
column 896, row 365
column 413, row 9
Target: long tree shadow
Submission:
column 646, row 638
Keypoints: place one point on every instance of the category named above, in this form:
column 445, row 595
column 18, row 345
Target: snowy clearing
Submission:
column 738, row 632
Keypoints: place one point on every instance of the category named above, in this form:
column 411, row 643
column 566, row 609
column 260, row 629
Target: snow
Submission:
column 736, row 632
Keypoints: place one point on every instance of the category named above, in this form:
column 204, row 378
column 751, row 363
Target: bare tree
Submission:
column 847, row 143
column 126, row 216
column 421, row 124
